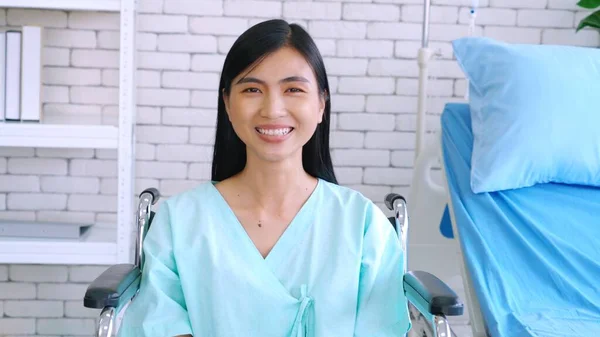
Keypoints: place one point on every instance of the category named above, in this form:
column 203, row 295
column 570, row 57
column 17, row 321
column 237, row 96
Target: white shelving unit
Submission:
column 97, row 247
column 65, row 5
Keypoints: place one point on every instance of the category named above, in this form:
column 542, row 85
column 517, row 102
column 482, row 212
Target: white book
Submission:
column 31, row 77
column 2, row 73
column 13, row 76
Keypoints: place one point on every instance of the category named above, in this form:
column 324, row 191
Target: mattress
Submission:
column 533, row 253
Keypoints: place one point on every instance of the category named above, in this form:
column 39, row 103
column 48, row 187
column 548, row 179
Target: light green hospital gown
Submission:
column 335, row 272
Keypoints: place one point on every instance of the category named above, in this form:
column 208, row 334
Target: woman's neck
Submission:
column 274, row 185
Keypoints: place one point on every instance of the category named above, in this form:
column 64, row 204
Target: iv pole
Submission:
column 425, row 55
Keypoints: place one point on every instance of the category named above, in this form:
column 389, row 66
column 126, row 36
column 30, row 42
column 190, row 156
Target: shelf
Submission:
column 96, row 248
column 57, row 252
column 58, row 135
column 78, row 5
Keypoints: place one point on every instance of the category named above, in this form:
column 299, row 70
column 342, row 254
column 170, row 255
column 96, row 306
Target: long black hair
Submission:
column 229, row 156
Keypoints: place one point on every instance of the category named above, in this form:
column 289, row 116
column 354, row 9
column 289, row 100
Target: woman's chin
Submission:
column 280, row 155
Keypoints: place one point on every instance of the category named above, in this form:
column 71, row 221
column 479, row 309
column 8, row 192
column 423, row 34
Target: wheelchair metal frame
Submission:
column 144, row 217
column 119, row 284
column 396, row 203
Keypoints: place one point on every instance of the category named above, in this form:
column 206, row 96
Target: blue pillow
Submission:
column 535, row 113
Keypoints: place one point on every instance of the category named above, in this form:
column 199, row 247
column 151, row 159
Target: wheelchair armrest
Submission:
column 114, row 287
column 435, row 296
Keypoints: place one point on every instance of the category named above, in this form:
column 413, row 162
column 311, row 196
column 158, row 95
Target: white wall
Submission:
column 369, row 49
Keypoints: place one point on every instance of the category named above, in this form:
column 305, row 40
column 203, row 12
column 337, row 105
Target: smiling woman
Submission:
column 274, row 71
column 277, row 102
column 272, row 246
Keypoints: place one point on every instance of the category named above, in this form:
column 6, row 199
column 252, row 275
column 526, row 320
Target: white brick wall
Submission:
column 369, row 48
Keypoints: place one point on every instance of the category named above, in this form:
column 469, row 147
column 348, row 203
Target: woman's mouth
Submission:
column 274, row 132
column 274, row 135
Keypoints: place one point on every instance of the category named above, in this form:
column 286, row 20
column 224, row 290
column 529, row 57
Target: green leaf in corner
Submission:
column 589, row 4
column 592, row 20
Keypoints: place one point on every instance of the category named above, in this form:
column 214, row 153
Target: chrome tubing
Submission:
column 107, row 322
column 397, row 203
column 441, row 327
column 401, row 215
column 147, row 198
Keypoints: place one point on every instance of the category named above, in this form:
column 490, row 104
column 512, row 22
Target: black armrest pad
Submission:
column 441, row 299
column 113, row 287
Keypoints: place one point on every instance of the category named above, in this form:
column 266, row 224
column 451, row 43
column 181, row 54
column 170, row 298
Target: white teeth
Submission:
column 275, row 132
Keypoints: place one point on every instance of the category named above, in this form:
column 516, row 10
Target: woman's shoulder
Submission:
column 344, row 194
column 201, row 194
column 351, row 202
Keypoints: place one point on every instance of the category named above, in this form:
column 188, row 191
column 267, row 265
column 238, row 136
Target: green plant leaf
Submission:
column 589, row 4
column 592, row 20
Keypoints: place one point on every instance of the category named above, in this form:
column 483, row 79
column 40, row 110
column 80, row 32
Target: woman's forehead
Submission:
column 283, row 63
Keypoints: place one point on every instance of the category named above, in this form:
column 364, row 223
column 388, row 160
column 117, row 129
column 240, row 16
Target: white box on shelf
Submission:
column 13, row 75
column 31, row 74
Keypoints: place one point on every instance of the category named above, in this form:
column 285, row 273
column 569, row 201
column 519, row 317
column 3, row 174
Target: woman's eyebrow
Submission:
column 250, row 80
column 287, row 79
column 295, row 79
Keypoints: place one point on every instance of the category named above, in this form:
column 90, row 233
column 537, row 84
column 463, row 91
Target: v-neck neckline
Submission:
column 290, row 236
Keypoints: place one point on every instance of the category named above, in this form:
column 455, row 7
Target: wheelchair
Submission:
column 119, row 284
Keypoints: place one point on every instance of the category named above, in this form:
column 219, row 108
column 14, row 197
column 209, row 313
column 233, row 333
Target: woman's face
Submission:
column 275, row 108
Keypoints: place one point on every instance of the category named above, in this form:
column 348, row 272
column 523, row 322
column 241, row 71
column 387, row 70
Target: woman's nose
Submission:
column 273, row 106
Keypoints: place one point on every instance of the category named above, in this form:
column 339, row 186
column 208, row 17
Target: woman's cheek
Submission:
column 246, row 108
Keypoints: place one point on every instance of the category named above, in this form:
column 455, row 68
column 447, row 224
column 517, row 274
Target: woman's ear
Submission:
column 226, row 102
column 322, row 101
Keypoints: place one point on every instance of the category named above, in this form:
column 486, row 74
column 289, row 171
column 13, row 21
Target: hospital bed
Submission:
column 528, row 257
column 117, row 286
column 527, row 260
column 531, row 260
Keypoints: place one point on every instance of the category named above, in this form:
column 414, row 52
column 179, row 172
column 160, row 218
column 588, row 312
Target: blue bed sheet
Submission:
column 533, row 253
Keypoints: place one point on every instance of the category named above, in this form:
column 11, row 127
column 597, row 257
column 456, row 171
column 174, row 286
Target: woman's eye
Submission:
column 253, row 90
column 295, row 90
